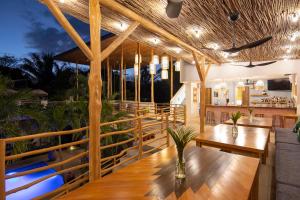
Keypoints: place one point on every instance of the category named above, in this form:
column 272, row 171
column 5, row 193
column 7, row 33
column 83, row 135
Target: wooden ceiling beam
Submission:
column 118, row 41
column 207, row 69
column 59, row 16
column 115, row 6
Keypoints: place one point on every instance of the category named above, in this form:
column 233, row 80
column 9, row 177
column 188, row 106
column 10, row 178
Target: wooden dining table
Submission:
column 250, row 140
column 259, row 122
column 210, row 174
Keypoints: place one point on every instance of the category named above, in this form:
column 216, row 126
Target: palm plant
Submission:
column 235, row 117
column 181, row 136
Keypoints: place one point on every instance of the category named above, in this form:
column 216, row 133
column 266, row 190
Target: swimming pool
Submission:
column 39, row 189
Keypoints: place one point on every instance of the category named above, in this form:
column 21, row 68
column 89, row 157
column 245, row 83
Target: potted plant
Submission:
column 181, row 136
column 251, row 116
column 235, row 117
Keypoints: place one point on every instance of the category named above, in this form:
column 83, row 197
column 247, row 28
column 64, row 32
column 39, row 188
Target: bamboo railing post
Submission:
column 162, row 124
column 121, row 74
column 2, row 169
column 140, row 137
column 167, row 126
column 139, row 75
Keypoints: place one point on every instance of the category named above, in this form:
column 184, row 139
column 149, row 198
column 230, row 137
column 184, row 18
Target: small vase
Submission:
column 235, row 131
column 251, row 118
column 180, row 166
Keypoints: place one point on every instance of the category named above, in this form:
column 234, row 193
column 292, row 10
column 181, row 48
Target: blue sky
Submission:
column 27, row 26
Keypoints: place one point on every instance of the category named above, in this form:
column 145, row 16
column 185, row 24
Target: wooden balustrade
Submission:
column 146, row 133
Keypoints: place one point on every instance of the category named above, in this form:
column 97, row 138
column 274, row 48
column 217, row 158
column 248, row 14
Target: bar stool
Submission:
column 224, row 117
column 277, row 121
column 210, row 118
column 259, row 115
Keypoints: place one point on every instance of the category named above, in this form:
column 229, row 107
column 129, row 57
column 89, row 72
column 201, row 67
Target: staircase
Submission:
column 179, row 97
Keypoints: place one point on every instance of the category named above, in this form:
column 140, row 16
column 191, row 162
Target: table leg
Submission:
column 255, row 186
column 262, row 158
column 198, row 144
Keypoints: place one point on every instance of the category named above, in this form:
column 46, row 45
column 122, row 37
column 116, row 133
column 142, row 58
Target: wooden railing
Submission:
column 122, row 142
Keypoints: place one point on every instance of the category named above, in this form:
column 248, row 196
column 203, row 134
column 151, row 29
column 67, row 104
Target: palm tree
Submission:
column 40, row 69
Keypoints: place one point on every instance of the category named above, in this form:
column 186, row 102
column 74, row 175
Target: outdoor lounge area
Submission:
column 157, row 99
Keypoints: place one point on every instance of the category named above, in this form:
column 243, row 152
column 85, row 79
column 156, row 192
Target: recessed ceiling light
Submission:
column 177, row 49
column 214, row 46
column 121, row 26
column 295, row 17
column 196, row 32
column 294, row 36
column 62, row 1
column 193, row 62
column 155, row 41
column 289, row 50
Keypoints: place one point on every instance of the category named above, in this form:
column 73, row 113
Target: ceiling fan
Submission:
column 251, row 65
column 173, row 8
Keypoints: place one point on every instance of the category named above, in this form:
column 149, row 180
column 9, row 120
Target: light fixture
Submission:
column 259, row 85
column 62, row 1
column 155, row 41
column 152, row 69
column 289, row 50
column 197, row 32
column 295, row 17
column 193, row 62
column 225, row 54
column 137, row 60
column 121, row 26
column 155, row 60
column 165, row 62
column 178, row 65
column 214, row 46
column 136, row 69
column 164, row 74
column 241, row 84
column 294, row 36
column 177, row 49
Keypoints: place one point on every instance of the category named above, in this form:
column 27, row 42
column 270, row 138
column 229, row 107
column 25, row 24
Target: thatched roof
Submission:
column 75, row 55
column 258, row 19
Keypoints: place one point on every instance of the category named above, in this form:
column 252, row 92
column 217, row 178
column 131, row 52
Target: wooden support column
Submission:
column 202, row 75
column 139, row 75
column 171, row 79
column 2, row 169
column 152, row 79
column 108, row 78
column 125, row 89
column 95, row 90
column 121, row 75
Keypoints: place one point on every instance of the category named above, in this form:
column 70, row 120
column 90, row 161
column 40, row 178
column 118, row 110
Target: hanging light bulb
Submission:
column 259, row 85
column 165, row 62
column 155, row 60
column 295, row 17
column 137, row 58
column 152, row 68
column 136, row 69
column 62, row 1
column 164, row 74
column 241, row 84
column 178, row 65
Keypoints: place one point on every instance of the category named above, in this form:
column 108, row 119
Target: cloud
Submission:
column 45, row 36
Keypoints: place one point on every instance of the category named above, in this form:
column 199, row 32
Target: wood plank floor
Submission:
column 266, row 171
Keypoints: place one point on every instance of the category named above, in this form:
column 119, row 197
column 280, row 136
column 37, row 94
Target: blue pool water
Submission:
column 41, row 188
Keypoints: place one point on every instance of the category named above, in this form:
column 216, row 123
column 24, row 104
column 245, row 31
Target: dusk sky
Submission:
column 28, row 26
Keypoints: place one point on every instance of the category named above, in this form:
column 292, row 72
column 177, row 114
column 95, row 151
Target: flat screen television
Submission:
column 279, row 84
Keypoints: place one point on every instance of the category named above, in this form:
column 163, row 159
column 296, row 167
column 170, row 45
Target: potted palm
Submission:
column 181, row 136
column 235, row 117
column 251, row 116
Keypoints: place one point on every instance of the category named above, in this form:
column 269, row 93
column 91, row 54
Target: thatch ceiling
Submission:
column 259, row 18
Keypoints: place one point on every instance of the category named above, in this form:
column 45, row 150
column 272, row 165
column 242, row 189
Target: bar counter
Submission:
column 267, row 111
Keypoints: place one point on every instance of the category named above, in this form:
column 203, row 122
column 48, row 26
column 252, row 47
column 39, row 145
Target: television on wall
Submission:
column 283, row 84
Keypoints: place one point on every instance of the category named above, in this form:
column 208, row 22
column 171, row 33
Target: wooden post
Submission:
column 171, row 79
column 140, row 137
column 125, row 89
column 2, row 169
column 95, row 90
column 167, row 126
column 121, row 74
column 108, row 78
column 152, row 79
column 135, row 88
column 139, row 75
column 202, row 106
column 162, row 122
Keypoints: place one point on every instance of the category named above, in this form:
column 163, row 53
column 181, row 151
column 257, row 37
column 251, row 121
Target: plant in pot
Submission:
column 251, row 116
column 235, row 117
column 181, row 136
